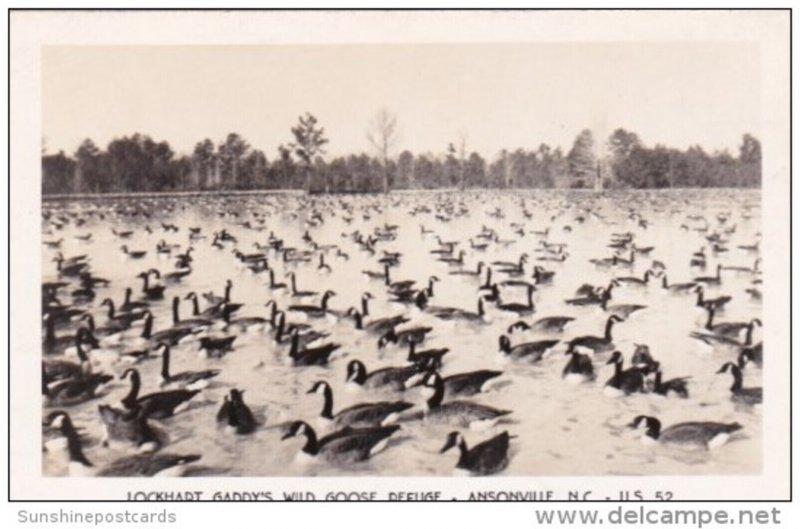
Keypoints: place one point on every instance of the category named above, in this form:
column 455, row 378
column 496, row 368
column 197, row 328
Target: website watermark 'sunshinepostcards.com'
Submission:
column 98, row 518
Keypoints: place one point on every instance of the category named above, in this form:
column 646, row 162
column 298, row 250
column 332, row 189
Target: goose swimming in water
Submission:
column 310, row 355
column 71, row 391
column 519, row 308
column 139, row 465
column 394, row 378
column 530, row 351
column 677, row 288
column 711, row 280
column 184, row 379
column 379, row 326
column 715, row 303
column 235, row 414
column 462, row 384
column 705, row 434
column 579, row 368
column 458, row 412
column 597, row 344
column 158, row 405
column 129, row 427
column 363, row 415
column 751, row 354
column 485, row 458
column 314, row 311
column 348, row 445
column 624, row 382
column 673, row 386
column 739, row 394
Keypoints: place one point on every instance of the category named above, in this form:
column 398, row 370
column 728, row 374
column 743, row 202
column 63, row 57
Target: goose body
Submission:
column 138, row 465
column 157, row 405
column 530, row 351
column 394, row 378
column 184, row 379
column 348, row 445
column 752, row 396
column 363, row 415
column 458, row 412
column 596, row 344
column 702, row 434
column 235, row 414
column 485, row 458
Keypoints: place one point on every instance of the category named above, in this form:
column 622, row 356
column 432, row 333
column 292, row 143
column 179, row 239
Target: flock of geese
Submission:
column 92, row 340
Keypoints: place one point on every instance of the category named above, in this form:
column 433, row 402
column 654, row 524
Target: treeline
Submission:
column 138, row 163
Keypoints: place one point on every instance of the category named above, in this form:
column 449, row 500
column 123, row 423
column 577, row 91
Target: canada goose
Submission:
column 673, row 386
column 214, row 300
column 519, row 308
column 530, row 351
column 394, row 378
column 310, row 355
column 139, row 465
column 158, row 405
column 363, row 415
column 597, row 344
column 579, row 368
column 677, row 288
column 216, row 347
column 128, row 305
column 153, row 292
column 487, row 457
column 314, row 311
column 71, row 391
column 734, row 329
column 457, row 314
column 128, row 427
column 751, row 354
column 458, row 412
column 272, row 284
column 431, row 358
column 624, row 382
column 235, row 414
column 122, row 234
column 461, row 384
column 715, row 303
column 298, row 293
column 705, row 434
column 404, row 337
column 133, row 254
column 192, row 324
column 61, row 369
column 184, row 379
column 749, row 396
column 542, row 276
column 380, row 326
column 473, row 273
column 711, row 280
column 347, row 445
column 550, row 324
column 622, row 310
column 635, row 281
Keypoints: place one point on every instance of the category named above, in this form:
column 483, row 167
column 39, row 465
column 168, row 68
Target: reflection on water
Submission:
column 560, row 429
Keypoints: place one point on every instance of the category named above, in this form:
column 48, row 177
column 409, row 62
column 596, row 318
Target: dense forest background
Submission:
column 139, row 163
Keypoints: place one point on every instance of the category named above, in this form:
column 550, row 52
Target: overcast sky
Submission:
column 499, row 95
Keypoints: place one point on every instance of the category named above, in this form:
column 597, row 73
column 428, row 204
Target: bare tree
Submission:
column 382, row 135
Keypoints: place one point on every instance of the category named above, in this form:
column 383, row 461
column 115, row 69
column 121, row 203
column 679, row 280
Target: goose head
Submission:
column 319, row 387
column 616, row 358
column 296, row 428
column 453, row 439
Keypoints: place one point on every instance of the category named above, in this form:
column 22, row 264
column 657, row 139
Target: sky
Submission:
column 496, row 95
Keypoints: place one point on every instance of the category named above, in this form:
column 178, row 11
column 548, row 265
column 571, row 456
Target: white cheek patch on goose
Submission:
column 380, row 446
